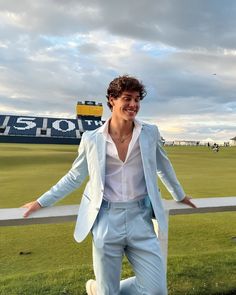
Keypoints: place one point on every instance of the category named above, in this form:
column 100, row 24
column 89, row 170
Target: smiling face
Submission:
column 125, row 106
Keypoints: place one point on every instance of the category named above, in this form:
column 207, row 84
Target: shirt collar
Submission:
column 104, row 128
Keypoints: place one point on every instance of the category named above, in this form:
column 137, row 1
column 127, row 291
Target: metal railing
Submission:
column 58, row 214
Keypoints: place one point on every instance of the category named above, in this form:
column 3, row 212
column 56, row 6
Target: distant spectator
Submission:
column 215, row 147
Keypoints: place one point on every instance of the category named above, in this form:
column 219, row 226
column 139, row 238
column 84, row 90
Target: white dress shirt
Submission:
column 124, row 181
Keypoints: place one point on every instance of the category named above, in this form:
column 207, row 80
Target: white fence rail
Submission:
column 58, row 214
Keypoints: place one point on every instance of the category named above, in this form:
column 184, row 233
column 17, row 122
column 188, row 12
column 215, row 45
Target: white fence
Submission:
column 57, row 214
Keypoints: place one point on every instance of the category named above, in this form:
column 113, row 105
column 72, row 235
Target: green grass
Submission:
column 203, row 172
column 202, row 253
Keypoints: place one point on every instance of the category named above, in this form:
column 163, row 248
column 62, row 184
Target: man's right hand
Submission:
column 32, row 207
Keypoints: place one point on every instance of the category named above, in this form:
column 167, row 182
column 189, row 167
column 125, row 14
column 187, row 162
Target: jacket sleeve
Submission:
column 166, row 173
column 71, row 181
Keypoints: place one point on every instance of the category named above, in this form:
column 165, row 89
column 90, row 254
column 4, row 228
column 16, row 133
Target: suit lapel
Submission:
column 101, row 150
column 144, row 146
column 143, row 143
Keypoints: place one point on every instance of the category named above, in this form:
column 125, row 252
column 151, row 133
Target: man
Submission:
column 121, row 158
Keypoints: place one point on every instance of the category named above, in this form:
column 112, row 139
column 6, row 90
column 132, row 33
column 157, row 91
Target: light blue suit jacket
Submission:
column 91, row 161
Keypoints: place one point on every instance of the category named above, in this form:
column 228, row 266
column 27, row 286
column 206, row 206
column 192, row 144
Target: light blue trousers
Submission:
column 126, row 228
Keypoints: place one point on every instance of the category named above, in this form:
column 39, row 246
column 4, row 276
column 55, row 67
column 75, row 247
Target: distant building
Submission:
column 233, row 141
column 186, row 142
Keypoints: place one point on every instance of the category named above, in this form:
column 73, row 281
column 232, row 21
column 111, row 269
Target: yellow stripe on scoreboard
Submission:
column 89, row 110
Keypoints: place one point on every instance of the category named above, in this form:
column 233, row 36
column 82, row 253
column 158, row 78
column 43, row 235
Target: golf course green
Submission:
column 44, row 259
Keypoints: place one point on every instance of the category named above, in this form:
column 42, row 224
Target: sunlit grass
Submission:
column 202, row 251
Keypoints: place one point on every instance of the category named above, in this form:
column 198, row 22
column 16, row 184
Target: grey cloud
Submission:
column 182, row 24
column 50, row 58
column 88, row 48
column 178, row 76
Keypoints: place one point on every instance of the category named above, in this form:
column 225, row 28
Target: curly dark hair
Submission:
column 124, row 83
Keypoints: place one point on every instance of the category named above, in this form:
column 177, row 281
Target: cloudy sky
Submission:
column 55, row 52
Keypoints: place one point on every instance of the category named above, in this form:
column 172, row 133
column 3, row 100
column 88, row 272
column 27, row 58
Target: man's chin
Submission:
column 130, row 118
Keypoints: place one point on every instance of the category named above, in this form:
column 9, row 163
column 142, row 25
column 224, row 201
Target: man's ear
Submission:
column 111, row 101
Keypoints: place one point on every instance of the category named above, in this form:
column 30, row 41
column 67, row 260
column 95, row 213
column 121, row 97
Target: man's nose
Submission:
column 133, row 103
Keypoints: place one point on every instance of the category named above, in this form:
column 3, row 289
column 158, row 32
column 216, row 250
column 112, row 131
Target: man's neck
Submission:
column 120, row 127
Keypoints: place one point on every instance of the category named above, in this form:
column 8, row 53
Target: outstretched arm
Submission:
column 167, row 175
column 68, row 183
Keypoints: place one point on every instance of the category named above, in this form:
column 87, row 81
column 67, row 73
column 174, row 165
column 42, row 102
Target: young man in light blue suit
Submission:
column 122, row 159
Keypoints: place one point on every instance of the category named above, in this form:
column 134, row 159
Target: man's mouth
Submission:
column 131, row 112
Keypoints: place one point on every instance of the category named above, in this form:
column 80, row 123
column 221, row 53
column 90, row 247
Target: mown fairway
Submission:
column 202, row 251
